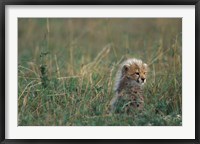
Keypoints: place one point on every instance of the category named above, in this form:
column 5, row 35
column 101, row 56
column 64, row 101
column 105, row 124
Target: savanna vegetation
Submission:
column 67, row 67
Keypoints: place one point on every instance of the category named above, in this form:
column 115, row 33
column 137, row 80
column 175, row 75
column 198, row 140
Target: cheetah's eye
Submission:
column 137, row 73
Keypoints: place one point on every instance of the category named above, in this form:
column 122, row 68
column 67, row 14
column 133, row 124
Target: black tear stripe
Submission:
column 138, row 80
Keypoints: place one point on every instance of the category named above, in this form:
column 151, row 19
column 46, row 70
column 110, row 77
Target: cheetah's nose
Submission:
column 143, row 79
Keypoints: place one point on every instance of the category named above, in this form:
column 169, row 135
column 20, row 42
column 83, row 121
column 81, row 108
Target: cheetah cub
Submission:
column 128, row 88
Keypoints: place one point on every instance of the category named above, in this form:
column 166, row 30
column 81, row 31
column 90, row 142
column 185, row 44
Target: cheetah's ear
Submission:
column 146, row 67
column 125, row 68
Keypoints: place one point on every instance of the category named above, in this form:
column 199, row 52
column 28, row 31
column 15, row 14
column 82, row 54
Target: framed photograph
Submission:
column 100, row 72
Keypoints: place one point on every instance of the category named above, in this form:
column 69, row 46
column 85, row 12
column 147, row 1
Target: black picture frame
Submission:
column 4, row 3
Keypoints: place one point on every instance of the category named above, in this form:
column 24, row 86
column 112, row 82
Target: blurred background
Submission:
column 85, row 38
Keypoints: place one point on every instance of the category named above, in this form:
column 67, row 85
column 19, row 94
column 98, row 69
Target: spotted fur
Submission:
column 129, row 82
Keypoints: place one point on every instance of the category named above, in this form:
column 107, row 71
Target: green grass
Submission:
column 66, row 70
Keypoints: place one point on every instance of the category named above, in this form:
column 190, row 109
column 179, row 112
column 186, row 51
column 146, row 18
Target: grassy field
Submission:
column 66, row 70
